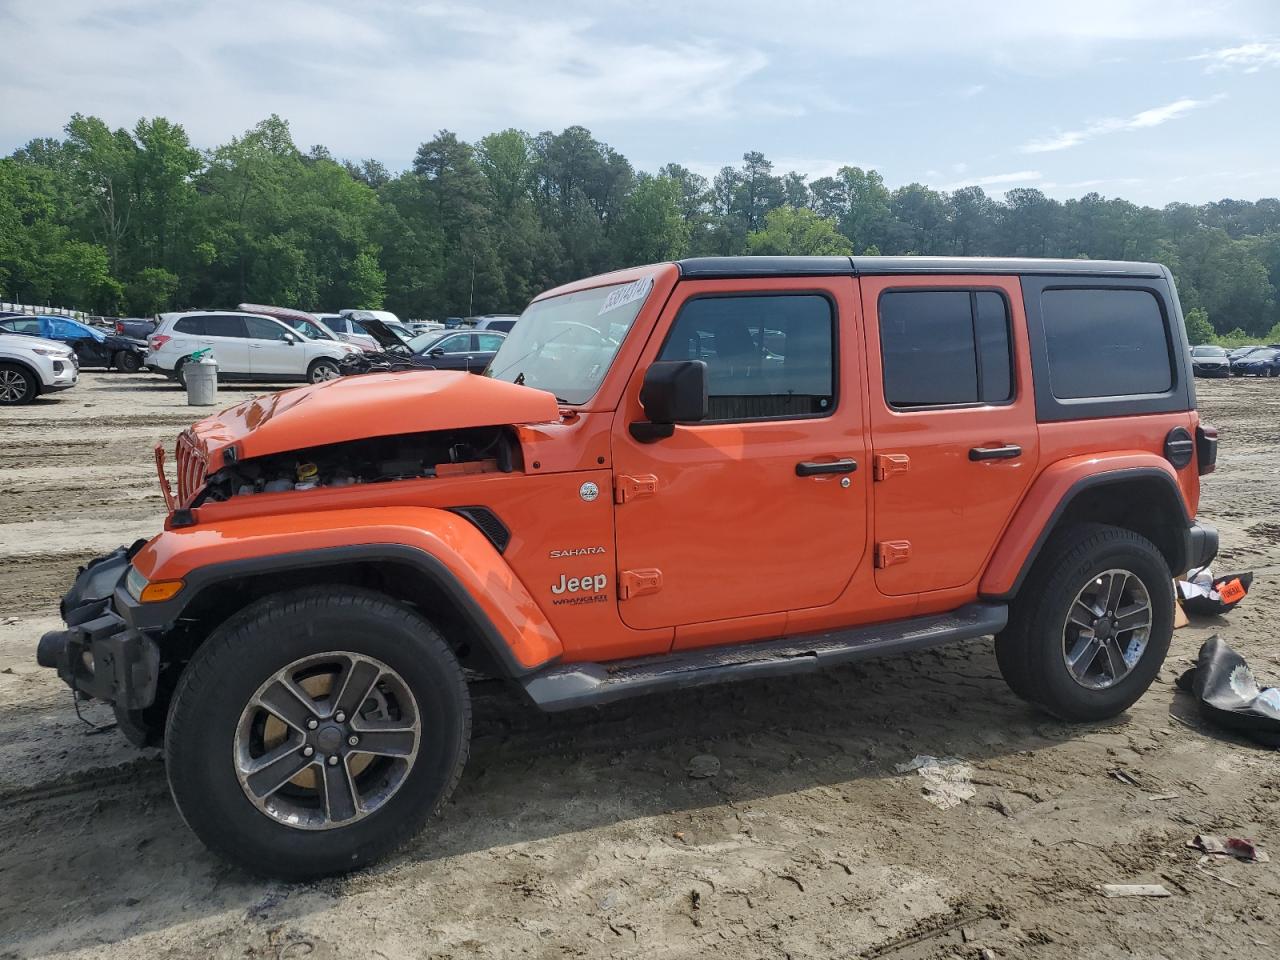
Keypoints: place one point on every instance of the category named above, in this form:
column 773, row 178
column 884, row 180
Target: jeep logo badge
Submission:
column 588, row 491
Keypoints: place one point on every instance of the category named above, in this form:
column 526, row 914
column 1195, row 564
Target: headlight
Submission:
column 145, row 592
column 60, row 354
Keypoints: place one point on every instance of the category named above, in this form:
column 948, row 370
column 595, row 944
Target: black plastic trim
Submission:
column 1202, row 545
column 571, row 685
column 488, row 523
column 1180, row 395
column 713, row 268
column 1179, row 564
column 162, row 616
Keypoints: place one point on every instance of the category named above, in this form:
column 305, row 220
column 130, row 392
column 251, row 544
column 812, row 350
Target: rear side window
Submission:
column 224, row 326
column 767, row 356
column 1105, row 343
column 945, row 348
column 190, row 325
column 488, row 341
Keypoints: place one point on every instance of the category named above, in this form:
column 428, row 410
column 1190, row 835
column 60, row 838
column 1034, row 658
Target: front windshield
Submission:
column 566, row 344
column 1208, row 352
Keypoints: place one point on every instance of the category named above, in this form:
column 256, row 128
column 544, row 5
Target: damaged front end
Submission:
column 100, row 655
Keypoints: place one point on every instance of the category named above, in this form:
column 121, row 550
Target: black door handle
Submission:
column 809, row 468
column 1007, row 452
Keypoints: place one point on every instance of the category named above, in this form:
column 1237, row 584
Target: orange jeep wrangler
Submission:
column 674, row 475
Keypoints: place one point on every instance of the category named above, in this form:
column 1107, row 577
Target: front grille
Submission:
column 191, row 464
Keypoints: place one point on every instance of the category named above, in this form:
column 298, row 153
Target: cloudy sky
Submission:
column 1154, row 100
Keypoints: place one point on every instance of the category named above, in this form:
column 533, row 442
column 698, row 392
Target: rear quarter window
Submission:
column 1105, row 343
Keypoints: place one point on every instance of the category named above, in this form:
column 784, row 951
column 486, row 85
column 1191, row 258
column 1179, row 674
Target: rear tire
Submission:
column 1048, row 655
column 128, row 361
column 17, row 385
column 219, row 709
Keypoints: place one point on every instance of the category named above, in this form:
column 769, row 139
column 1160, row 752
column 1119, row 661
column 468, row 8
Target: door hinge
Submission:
column 633, row 488
column 886, row 465
column 889, row 552
column 637, row 583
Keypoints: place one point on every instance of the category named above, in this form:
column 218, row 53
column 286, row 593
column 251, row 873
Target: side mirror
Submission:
column 674, row 391
column 436, row 352
column 290, row 339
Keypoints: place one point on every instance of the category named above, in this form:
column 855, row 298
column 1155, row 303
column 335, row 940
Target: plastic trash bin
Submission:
column 201, row 375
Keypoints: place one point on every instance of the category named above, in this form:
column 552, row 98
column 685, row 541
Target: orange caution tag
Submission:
column 1231, row 591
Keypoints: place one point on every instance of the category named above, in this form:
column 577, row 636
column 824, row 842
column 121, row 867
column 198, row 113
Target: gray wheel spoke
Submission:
column 387, row 742
column 1132, row 617
column 277, row 768
column 1082, row 615
column 290, row 704
column 354, row 686
column 1115, row 659
column 339, row 793
column 1115, row 590
column 1082, row 655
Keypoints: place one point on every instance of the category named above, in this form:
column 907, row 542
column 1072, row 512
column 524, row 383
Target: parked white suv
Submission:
column 30, row 366
column 247, row 346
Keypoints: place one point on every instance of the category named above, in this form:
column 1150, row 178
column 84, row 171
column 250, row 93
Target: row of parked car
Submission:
column 1209, row 360
column 42, row 354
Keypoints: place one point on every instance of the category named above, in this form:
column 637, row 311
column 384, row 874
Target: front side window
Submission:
column 945, row 348
column 767, row 356
column 566, row 344
column 1105, row 342
column 260, row 329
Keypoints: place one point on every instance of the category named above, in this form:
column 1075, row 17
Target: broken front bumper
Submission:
column 99, row 655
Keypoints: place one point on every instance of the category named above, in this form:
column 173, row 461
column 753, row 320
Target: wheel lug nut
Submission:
column 308, row 751
column 312, row 723
column 340, row 716
column 333, row 761
column 352, row 740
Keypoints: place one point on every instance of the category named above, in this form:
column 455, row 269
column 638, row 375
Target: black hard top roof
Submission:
column 708, row 268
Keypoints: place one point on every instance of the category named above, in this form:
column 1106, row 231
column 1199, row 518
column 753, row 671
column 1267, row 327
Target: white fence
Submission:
column 47, row 311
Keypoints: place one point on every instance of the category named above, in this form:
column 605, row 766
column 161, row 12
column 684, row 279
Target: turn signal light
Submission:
column 160, row 590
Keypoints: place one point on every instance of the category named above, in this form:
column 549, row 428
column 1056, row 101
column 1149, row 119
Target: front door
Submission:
column 759, row 509
column 953, row 424
column 272, row 350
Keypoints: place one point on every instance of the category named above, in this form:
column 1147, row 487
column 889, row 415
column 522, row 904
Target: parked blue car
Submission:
column 93, row 347
column 1259, row 363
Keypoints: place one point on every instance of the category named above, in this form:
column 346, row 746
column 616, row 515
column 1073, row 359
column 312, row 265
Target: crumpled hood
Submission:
column 372, row 405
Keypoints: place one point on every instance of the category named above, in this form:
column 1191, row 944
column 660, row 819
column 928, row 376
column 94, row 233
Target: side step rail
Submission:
column 572, row 685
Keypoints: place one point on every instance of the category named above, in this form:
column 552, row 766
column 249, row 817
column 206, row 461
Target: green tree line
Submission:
column 138, row 221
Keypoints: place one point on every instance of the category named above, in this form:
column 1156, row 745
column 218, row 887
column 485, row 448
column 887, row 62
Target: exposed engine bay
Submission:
column 370, row 460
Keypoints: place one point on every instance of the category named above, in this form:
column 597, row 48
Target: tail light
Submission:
column 158, row 341
column 1206, row 448
column 119, row 327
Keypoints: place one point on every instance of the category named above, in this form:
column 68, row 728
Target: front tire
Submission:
column 276, row 772
column 1091, row 625
column 322, row 370
column 17, row 385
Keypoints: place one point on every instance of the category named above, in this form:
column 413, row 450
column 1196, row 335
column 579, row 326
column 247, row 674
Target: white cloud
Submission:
column 995, row 180
column 1247, row 57
column 1153, row 117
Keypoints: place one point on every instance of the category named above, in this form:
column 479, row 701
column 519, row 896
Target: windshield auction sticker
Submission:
column 628, row 293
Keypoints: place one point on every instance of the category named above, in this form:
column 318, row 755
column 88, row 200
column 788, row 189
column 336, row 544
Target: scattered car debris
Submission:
column 1164, row 796
column 947, row 782
column 1229, row 695
column 1205, row 595
column 703, row 766
column 1134, row 890
column 1123, row 776
column 1236, row 847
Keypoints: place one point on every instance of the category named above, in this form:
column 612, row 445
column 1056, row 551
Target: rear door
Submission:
column 953, row 424
column 761, row 508
column 227, row 336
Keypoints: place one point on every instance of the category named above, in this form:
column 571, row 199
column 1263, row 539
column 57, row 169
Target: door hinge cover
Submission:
column 637, row 583
column 633, row 488
column 886, row 465
column 889, row 552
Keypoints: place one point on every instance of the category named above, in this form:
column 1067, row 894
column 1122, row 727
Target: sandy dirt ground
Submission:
column 585, row 835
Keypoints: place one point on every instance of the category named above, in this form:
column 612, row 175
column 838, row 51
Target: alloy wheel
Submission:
column 13, row 386
column 327, row 740
column 1107, row 629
